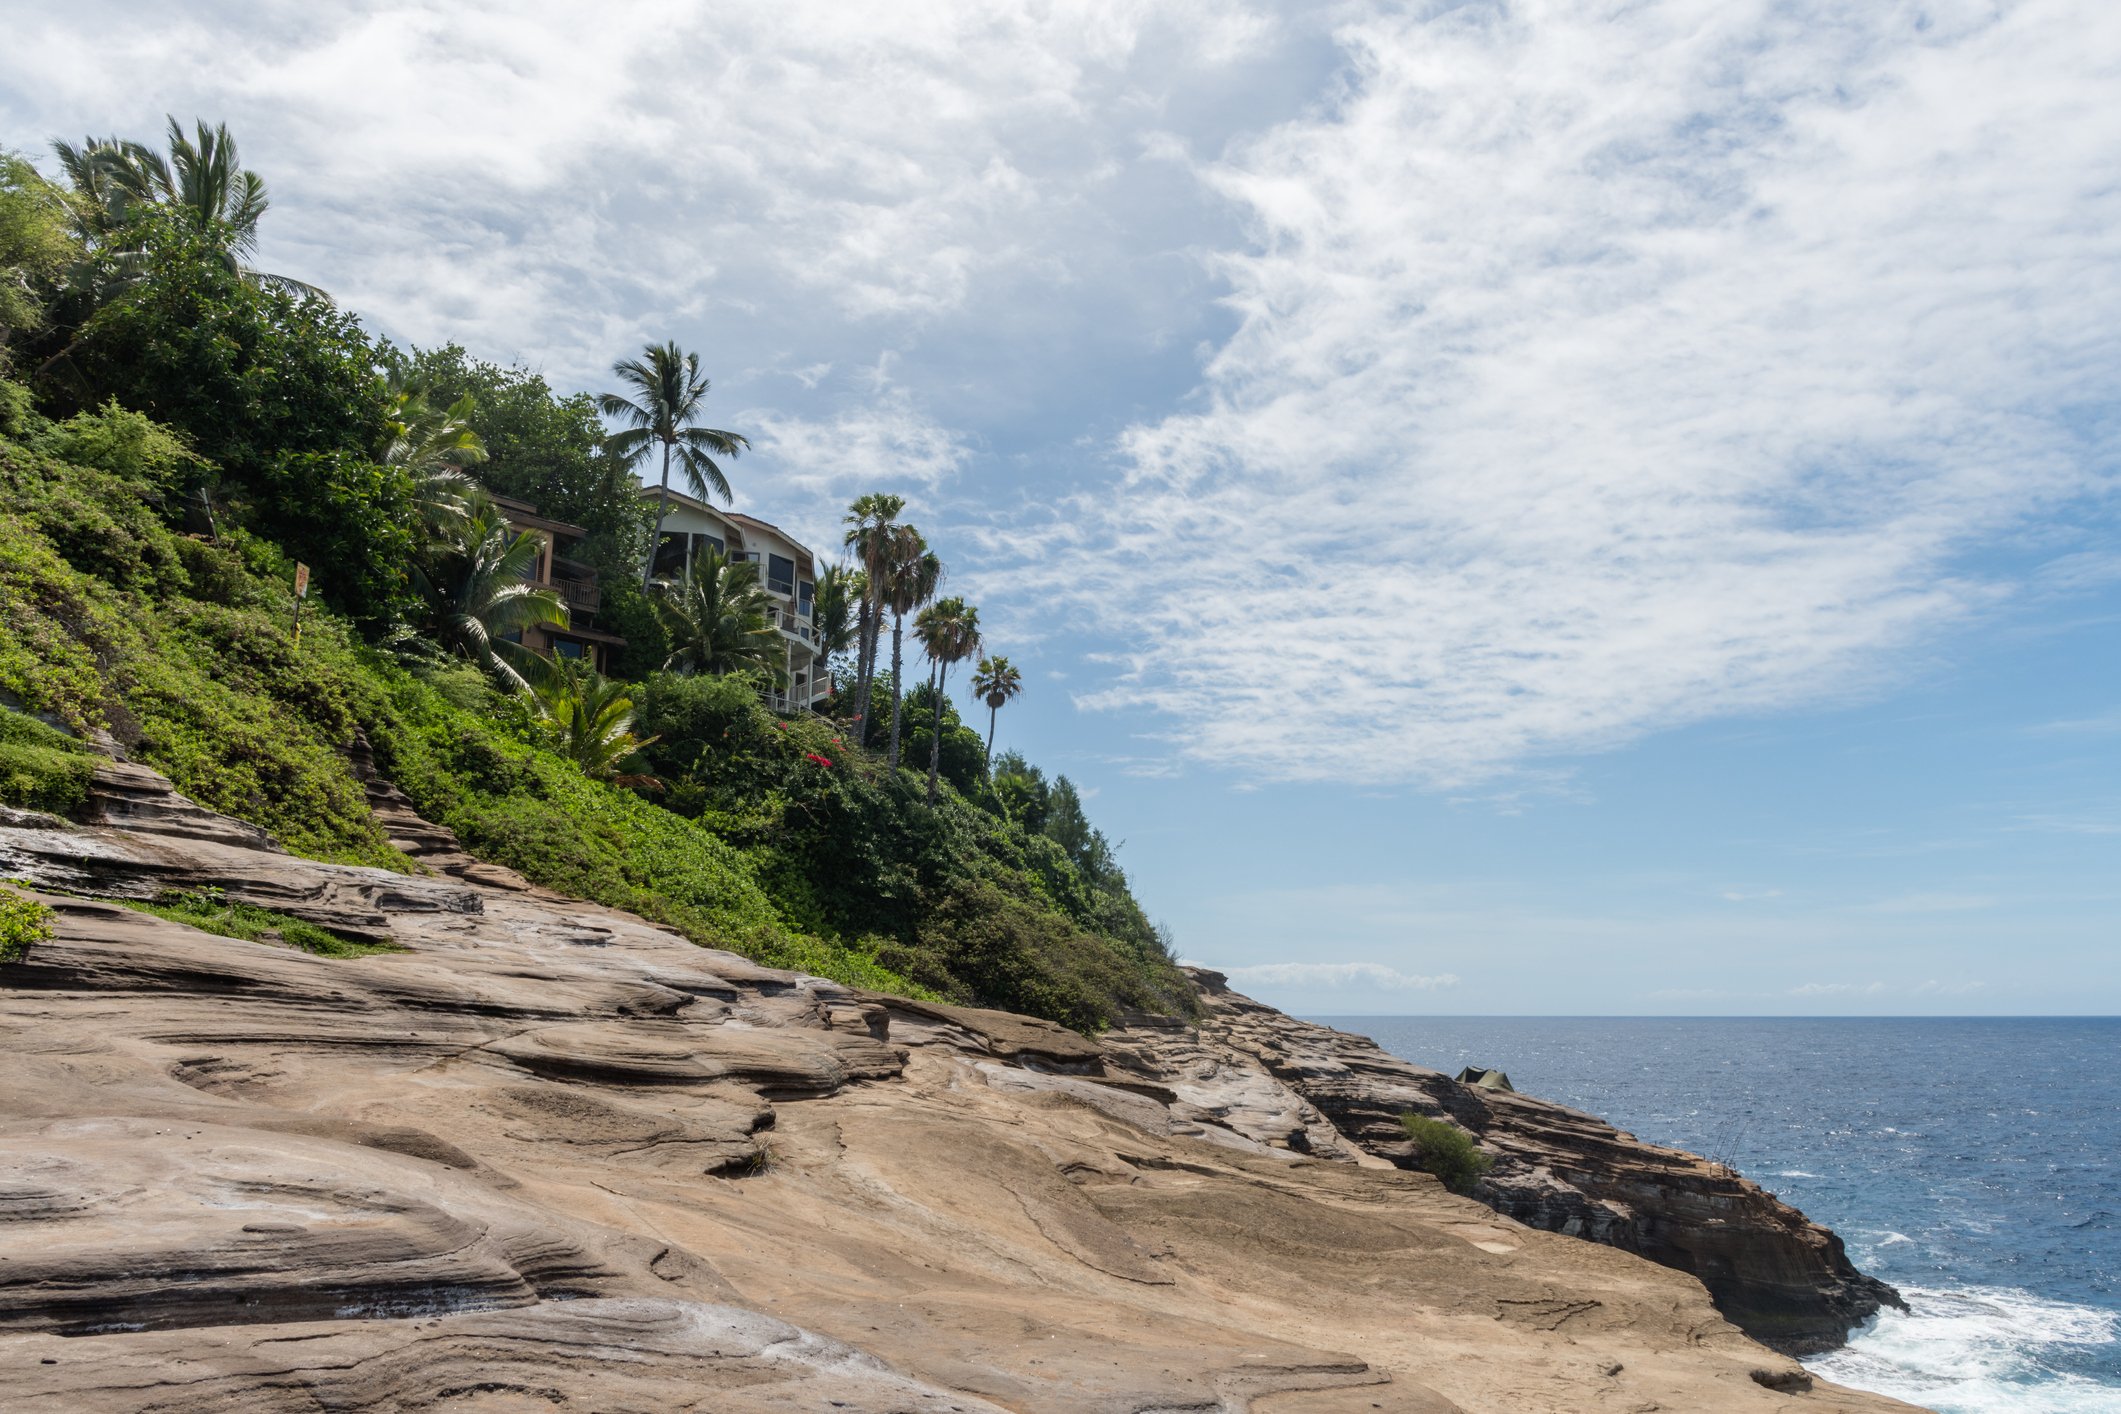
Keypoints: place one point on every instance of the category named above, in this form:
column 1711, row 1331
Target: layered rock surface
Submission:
column 1782, row 1278
column 553, row 1157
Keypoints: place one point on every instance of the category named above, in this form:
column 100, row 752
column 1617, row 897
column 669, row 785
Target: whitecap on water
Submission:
column 1978, row 1350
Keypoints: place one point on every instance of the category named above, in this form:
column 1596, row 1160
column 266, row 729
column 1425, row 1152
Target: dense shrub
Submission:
column 1447, row 1151
column 24, row 922
column 41, row 769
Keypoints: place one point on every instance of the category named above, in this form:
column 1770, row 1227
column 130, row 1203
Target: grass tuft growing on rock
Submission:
column 1447, row 1151
column 211, row 913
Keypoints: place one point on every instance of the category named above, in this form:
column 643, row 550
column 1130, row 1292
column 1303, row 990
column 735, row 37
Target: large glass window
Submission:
column 804, row 592
column 701, row 544
column 780, row 574
column 670, row 557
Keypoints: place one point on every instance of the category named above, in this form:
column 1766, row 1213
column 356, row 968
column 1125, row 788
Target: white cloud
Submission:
column 810, row 467
column 1608, row 367
column 1838, row 989
column 1338, row 974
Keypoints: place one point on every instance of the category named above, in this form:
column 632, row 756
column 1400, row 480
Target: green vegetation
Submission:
column 24, row 922
column 1447, row 1151
column 211, row 913
column 177, row 430
column 42, row 769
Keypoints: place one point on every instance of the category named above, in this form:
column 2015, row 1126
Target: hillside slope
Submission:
column 551, row 1156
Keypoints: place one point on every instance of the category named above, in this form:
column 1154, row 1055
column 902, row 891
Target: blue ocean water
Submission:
column 1971, row 1162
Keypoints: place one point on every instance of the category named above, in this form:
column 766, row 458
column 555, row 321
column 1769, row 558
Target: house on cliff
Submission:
column 787, row 572
column 573, row 581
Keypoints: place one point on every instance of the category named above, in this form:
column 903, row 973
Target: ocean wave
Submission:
column 1794, row 1173
column 1978, row 1350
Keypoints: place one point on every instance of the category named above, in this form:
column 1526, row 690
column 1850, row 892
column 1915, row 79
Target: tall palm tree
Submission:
column 434, row 445
column 203, row 179
column 720, row 621
column 833, row 612
column 479, row 594
column 949, row 634
column 668, row 390
column 997, row 681
column 592, row 719
column 870, row 522
column 911, row 575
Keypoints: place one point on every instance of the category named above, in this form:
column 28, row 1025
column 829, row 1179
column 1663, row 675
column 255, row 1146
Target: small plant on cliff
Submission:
column 1446, row 1151
column 212, row 912
column 23, row 921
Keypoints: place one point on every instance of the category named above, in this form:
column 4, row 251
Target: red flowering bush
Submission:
column 813, row 756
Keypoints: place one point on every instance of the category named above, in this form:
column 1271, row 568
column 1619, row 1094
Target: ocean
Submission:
column 1971, row 1162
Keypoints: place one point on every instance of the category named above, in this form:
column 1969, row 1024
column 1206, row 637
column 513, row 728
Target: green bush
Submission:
column 41, row 769
column 23, row 923
column 1447, row 1151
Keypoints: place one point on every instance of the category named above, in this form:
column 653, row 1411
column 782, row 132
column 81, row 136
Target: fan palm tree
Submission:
column 997, row 682
column 911, row 575
column 870, row 522
column 479, row 594
column 203, row 179
column 949, row 633
column 833, row 612
column 433, row 445
column 592, row 719
column 668, row 391
column 721, row 622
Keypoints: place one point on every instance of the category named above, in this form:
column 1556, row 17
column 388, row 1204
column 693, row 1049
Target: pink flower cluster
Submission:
column 813, row 756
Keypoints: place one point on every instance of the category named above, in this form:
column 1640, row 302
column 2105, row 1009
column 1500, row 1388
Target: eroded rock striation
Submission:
column 1782, row 1278
column 552, row 1157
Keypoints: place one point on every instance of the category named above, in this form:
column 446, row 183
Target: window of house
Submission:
column 670, row 557
column 702, row 544
column 561, row 648
column 804, row 592
column 780, row 574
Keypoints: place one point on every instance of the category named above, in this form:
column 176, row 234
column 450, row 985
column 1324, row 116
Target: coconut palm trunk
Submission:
column 994, row 712
column 935, row 742
column 662, row 509
column 898, row 631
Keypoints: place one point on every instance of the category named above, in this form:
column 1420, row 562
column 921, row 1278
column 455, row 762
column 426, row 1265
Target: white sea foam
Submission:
column 1978, row 1350
column 1794, row 1173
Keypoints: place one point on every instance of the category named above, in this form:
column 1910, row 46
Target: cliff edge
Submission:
column 549, row 1156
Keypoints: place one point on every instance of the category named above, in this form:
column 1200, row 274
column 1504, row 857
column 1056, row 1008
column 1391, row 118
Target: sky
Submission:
column 1582, row 508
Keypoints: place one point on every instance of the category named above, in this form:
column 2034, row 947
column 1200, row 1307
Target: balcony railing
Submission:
column 580, row 594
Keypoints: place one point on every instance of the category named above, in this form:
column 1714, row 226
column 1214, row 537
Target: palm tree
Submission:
column 433, row 445
column 479, row 594
column 949, row 633
column 668, row 392
column 833, row 625
column 998, row 682
column 592, row 719
column 870, row 522
column 203, row 179
column 721, row 622
column 911, row 574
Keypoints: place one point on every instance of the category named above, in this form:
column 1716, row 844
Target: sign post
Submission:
column 301, row 593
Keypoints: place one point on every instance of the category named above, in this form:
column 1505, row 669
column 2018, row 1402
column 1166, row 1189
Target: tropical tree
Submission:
column 833, row 613
column 997, row 682
column 949, row 633
column 590, row 718
column 479, row 596
column 664, row 411
column 202, row 179
column 721, row 621
column 911, row 575
column 870, row 523
column 432, row 444
column 37, row 245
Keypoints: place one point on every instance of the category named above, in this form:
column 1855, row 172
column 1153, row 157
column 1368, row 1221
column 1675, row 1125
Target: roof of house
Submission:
column 525, row 516
column 737, row 517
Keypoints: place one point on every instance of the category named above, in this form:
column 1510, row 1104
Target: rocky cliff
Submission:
column 1782, row 1278
column 552, row 1157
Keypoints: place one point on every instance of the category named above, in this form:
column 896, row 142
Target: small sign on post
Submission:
column 301, row 593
